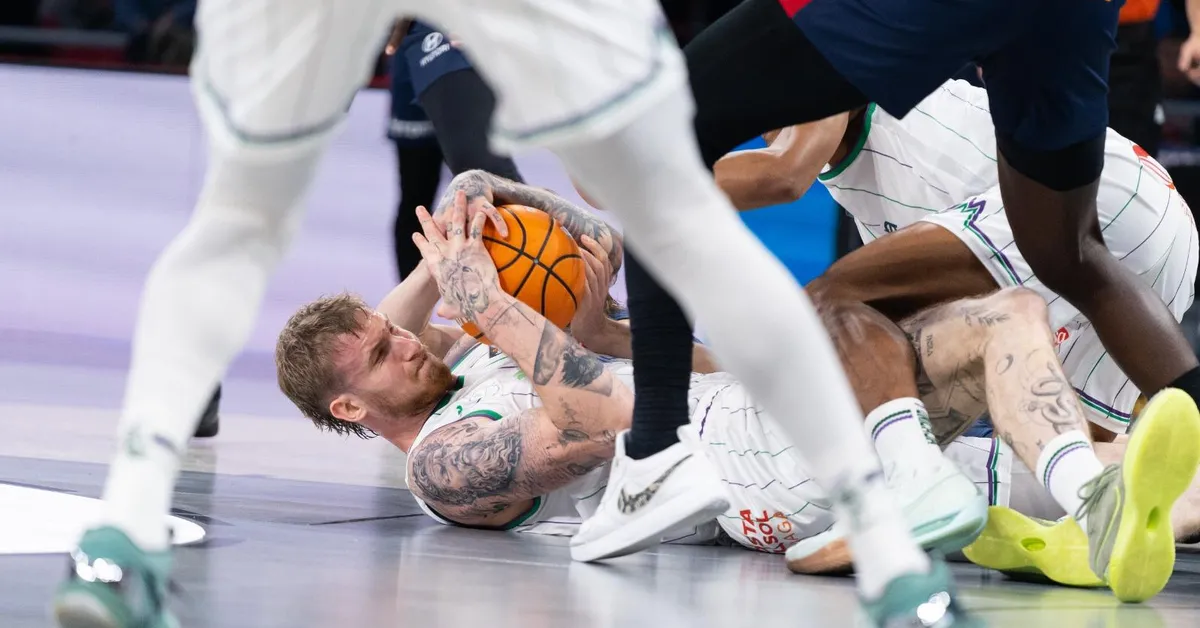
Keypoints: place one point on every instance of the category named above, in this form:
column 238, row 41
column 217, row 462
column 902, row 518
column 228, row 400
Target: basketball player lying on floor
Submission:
column 897, row 177
column 492, row 447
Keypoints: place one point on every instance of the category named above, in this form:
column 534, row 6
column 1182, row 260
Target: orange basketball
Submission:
column 538, row 263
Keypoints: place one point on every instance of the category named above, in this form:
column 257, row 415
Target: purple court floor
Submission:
column 97, row 172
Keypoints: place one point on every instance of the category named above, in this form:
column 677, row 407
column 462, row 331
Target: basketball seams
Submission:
column 536, row 259
column 550, row 273
column 518, row 250
column 519, row 247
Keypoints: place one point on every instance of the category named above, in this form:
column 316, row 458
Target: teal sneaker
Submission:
column 923, row 600
column 113, row 583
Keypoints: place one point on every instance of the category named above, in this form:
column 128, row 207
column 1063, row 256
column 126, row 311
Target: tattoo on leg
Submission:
column 1055, row 402
column 1005, row 363
column 983, row 316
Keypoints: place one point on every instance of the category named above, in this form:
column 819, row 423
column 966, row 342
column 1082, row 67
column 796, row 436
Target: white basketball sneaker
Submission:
column 675, row 488
column 943, row 507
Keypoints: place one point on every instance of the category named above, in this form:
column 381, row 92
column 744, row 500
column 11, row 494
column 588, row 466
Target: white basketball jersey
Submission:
column 491, row 385
column 938, row 165
column 900, row 171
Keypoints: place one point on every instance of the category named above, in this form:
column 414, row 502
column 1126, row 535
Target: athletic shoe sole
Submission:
column 945, row 536
column 1014, row 543
column 1160, row 462
column 686, row 509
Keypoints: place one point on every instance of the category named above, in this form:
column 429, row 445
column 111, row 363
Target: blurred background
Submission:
column 101, row 156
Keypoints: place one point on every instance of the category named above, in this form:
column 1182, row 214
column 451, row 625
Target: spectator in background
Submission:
column 1189, row 52
column 160, row 32
column 441, row 110
column 1135, row 80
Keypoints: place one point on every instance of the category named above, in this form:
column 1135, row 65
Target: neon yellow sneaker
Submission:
column 1014, row 543
column 1127, row 508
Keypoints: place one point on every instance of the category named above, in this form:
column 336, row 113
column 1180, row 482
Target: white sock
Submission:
column 1066, row 463
column 867, row 509
column 689, row 236
column 902, row 435
column 197, row 310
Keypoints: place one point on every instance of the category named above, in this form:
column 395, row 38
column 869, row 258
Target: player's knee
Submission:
column 1020, row 306
column 851, row 323
column 825, row 291
column 1075, row 270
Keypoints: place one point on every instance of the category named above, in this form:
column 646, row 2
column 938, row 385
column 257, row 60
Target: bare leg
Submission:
column 1001, row 346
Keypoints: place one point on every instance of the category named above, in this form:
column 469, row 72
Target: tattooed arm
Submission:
column 483, row 473
column 482, row 187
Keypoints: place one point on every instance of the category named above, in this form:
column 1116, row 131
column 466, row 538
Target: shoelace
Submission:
column 1093, row 490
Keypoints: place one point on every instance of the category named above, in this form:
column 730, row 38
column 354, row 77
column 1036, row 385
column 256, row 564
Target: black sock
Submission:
column 662, row 350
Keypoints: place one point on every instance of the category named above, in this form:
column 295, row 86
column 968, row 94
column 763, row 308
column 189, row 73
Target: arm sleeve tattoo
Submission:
column 479, row 472
column 577, row 221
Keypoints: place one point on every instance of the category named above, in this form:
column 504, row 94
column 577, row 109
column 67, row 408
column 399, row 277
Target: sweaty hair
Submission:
column 304, row 359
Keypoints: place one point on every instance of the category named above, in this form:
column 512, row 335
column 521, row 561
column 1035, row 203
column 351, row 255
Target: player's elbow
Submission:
column 792, row 188
column 786, row 180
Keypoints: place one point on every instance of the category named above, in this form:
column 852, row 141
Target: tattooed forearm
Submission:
column 474, row 182
column 580, row 368
column 576, row 220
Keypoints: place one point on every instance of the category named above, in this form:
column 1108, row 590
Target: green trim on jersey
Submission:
column 519, row 521
column 445, row 400
column 464, row 355
column 1099, row 409
column 858, row 146
column 491, row 414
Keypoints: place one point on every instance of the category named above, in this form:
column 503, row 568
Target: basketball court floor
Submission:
column 289, row 527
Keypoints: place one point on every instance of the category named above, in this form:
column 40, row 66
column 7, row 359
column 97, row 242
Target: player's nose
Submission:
column 410, row 348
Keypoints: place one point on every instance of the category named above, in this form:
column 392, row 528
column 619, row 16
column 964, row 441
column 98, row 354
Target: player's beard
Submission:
column 432, row 381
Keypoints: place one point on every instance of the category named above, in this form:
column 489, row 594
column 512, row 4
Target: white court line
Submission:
column 37, row 521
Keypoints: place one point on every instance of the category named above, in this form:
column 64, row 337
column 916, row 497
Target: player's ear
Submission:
column 347, row 407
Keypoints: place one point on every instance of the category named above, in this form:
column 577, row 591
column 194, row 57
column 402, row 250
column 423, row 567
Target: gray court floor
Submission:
column 97, row 172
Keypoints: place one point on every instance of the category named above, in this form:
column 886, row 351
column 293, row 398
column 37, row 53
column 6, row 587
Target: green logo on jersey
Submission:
column 521, row 376
column 459, row 409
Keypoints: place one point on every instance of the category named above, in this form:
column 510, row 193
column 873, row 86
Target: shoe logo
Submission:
column 629, row 504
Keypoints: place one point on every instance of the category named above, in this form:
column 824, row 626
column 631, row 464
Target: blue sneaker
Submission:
column 113, row 583
column 924, row 600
